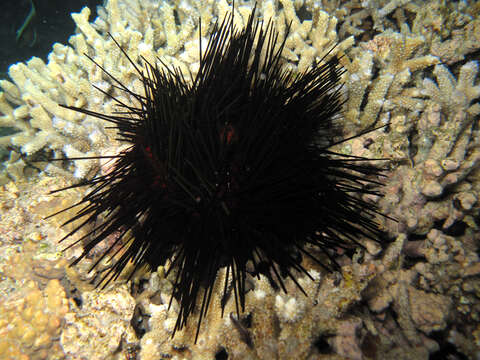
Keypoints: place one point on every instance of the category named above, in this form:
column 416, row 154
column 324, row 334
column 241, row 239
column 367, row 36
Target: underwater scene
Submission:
column 218, row 179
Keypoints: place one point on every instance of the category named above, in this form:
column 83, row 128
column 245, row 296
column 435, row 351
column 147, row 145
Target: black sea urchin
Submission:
column 230, row 169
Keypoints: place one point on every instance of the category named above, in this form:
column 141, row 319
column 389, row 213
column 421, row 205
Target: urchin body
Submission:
column 231, row 169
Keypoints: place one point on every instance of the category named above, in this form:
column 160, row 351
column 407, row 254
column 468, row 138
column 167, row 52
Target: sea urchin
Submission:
column 232, row 168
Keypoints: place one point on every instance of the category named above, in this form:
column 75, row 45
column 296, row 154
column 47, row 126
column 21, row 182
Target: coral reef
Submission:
column 330, row 319
column 30, row 102
column 39, row 294
column 396, row 53
column 95, row 330
column 31, row 320
column 274, row 325
column 411, row 66
column 446, row 154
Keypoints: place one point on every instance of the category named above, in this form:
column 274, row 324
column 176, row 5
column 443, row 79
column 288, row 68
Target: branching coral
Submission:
column 144, row 29
column 397, row 56
column 425, row 298
column 447, row 153
column 274, row 325
column 340, row 316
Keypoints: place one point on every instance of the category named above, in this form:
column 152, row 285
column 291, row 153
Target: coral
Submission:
column 429, row 296
column 29, row 103
column 330, row 319
column 433, row 197
column 30, row 322
column 96, row 329
column 33, row 301
column 447, row 153
column 35, row 256
column 352, row 22
column 403, row 70
column 274, row 325
column 28, row 250
column 397, row 56
column 425, row 298
column 452, row 32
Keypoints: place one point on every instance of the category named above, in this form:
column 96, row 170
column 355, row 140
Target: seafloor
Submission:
column 410, row 64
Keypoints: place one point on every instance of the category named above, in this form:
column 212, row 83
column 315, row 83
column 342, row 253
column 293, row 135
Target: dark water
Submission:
column 51, row 23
